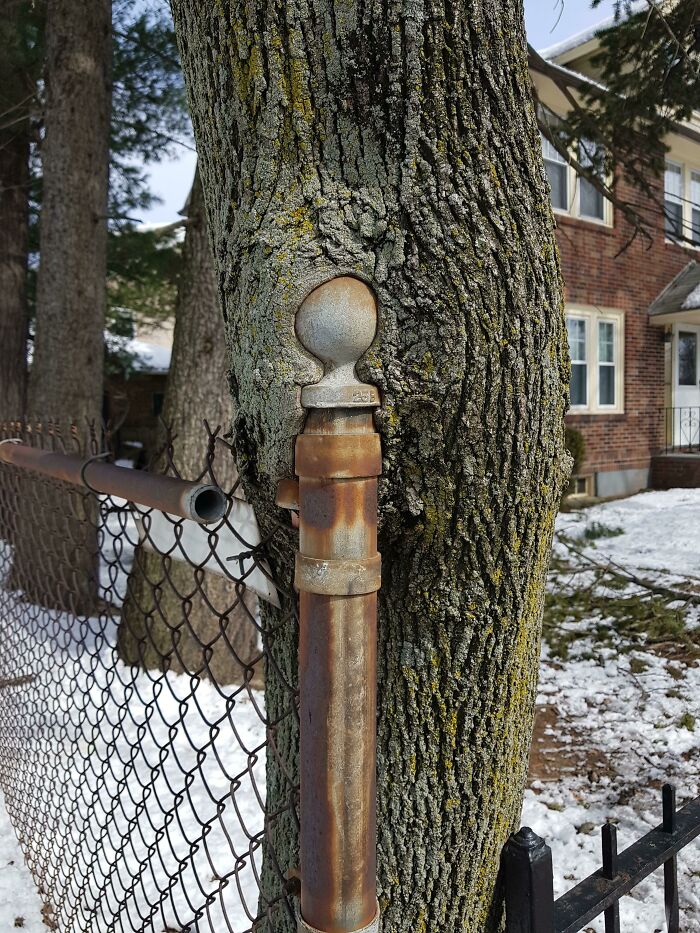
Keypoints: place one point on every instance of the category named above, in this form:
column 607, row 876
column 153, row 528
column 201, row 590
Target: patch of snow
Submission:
column 693, row 300
column 20, row 904
column 632, row 722
column 660, row 532
column 150, row 357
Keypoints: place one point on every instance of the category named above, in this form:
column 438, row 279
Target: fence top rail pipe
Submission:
column 575, row 909
column 199, row 502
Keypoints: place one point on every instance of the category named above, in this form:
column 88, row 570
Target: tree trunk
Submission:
column 66, row 378
column 67, row 368
column 168, row 621
column 17, row 90
column 397, row 142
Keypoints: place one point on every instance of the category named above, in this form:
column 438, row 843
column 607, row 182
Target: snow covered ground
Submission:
column 20, row 904
column 616, row 718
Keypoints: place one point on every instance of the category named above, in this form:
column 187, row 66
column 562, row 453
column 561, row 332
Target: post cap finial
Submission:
column 337, row 323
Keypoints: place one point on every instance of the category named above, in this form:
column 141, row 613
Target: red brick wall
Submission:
column 675, row 472
column 594, row 276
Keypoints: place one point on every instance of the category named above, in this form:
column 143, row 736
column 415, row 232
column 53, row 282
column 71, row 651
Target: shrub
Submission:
column 576, row 446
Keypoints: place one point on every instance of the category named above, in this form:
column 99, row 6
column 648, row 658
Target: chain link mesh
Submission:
column 133, row 730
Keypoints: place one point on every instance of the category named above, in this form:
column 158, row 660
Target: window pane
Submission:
column 687, row 358
column 696, row 225
column 557, row 175
column 674, row 219
column 591, row 201
column 550, row 153
column 606, row 385
column 591, row 155
column 576, row 328
column 579, row 384
column 673, row 181
column 591, row 204
column 606, row 342
column 673, row 199
column 695, row 189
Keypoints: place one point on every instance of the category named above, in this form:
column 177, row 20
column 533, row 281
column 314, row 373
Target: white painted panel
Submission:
column 210, row 546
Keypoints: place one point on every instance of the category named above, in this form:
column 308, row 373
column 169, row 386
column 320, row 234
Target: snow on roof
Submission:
column 567, row 72
column 693, row 300
column 585, row 35
column 681, row 294
column 150, row 358
column 151, row 227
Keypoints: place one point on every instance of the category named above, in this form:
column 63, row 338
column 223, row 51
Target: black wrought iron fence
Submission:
column 529, row 884
column 134, row 737
column 682, row 429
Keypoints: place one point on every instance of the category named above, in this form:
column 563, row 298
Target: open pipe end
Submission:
column 206, row 504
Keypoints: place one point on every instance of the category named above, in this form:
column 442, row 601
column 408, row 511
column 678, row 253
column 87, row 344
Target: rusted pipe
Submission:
column 200, row 502
column 337, row 460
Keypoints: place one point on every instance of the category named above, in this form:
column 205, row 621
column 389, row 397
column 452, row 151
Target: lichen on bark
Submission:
column 396, row 141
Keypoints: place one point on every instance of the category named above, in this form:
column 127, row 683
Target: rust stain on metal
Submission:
column 338, row 761
column 339, row 456
column 338, row 517
column 287, row 494
column 199, row 502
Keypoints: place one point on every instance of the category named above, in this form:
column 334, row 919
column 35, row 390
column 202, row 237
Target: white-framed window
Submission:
column 596, row 348
column 682, row 202
column 580, row 486
column 572, row 194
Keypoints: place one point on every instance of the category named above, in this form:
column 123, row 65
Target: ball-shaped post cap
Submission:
column 337, row 323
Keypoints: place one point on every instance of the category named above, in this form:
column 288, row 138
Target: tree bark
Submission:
column 17, row 89
column 66, row 378
column 397, row 142
column 175, row 618
column 67, row 368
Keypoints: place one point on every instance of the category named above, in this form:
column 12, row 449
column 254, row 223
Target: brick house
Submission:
column 633, row 317
column 133, row 404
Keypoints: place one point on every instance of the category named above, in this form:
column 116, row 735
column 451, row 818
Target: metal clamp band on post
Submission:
column 338, row 577
column 373, row 927
column 338, row 459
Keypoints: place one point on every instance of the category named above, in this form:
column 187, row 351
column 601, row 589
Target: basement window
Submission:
column 580, row 486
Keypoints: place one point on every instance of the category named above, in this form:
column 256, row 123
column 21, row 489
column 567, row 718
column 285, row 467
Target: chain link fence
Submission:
column 134, row 738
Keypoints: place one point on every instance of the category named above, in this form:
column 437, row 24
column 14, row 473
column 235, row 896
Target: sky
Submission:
column 547, row 22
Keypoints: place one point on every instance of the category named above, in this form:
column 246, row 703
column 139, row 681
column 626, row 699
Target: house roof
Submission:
column 579, row 39
column 557, row 73
column 680, row 298
column 149, row 357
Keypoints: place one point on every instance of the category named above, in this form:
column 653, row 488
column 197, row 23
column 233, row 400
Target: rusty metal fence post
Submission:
column 338, row 459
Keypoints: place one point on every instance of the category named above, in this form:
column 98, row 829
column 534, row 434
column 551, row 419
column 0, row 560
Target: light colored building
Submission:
column 633, row 315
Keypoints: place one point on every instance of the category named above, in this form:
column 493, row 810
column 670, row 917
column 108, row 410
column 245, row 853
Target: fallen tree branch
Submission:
column 618, row 572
